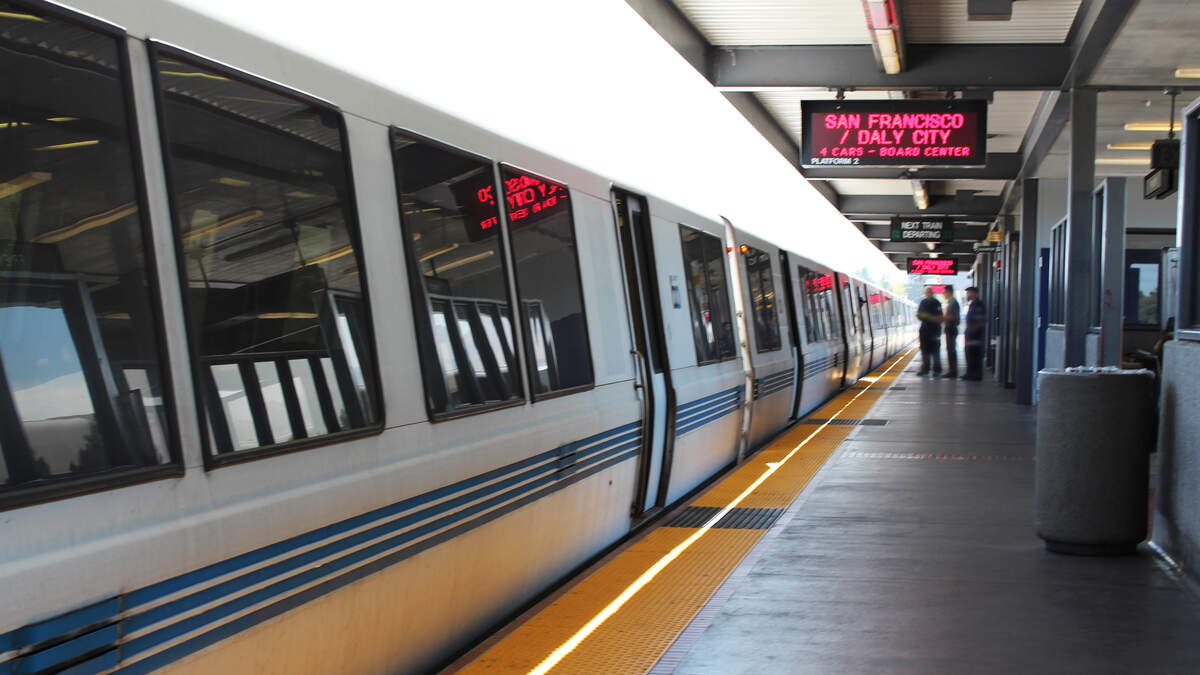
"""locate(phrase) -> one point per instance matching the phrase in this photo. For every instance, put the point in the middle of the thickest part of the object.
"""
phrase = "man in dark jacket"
(973, 335)
(950, 327)
(930, 314)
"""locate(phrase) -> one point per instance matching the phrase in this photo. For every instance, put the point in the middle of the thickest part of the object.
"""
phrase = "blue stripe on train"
(695, 414)
(529, 479)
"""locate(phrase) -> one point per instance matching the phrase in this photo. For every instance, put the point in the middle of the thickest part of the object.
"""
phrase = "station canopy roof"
(1022, 56)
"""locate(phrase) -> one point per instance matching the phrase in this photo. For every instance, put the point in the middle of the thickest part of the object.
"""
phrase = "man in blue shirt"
(930, 333)
(973, 335)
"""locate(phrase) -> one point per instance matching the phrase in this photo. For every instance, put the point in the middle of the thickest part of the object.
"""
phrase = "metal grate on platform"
(739, 518)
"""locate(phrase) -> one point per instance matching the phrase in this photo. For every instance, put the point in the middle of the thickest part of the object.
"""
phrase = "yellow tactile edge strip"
(626, 613)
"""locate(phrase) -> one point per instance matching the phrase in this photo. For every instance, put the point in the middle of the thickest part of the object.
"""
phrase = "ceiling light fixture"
(223, 224)
(1151, 126)
(1182, 72)
(464, 261)
(23, 182)
(920, 194)
(332, 255)
(433, 254)
(1145, 161)
(1131, 145)
(68, 146)
(83, 225)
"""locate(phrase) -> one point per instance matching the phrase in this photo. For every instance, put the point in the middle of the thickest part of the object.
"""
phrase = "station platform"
(890, 531)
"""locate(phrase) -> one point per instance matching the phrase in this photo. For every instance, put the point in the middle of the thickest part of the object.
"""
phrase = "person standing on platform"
(930, 314)
(973, 335)
(950, 321)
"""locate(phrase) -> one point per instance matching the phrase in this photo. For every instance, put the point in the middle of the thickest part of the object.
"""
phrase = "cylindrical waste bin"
(1095, 430)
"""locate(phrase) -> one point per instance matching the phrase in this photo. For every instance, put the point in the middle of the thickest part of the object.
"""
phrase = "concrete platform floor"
(913, 551)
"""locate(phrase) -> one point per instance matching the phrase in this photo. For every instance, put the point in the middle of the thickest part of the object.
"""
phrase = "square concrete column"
(1081, 182)
(1026, 307)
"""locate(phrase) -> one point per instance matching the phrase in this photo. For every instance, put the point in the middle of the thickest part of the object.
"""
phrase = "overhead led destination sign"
(932, 266)
(922, 229)
(894, 133)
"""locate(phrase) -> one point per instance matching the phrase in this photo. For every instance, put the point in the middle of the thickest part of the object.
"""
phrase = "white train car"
(300, 374)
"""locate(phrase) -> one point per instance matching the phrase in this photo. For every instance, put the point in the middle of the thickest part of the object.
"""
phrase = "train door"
(849, 334)
(789, 293)
(864, 316)
(653, 378)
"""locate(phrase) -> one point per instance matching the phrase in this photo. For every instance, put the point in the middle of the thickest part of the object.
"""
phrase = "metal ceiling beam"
(962, 232)
(1096, 25)
(766, 124)
(1000, 166)
(963, 247)
(673, 26)
(928, 66)
(827, 191)
(974, 206)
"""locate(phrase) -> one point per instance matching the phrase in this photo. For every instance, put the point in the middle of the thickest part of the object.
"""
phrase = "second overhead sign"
(922, 229)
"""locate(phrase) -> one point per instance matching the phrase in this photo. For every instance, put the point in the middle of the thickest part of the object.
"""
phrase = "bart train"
(298, 373)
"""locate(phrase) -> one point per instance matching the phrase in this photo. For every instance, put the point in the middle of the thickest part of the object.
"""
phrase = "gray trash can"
(1095, 430)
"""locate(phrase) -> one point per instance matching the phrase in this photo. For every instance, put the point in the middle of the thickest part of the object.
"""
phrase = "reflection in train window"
(704, 265)
(452, 237)
(762, 299)
(265, 220)
(547, 266)
(81, 379)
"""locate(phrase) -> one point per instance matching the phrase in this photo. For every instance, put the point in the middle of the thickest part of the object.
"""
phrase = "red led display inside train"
(932, 266)
(818, 284)
(530, 198)
(875, 298)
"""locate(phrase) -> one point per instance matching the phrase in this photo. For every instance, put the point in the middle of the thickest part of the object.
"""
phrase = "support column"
(1081, 182)
(1003, 289)
(1027, 308)
(1112, 282)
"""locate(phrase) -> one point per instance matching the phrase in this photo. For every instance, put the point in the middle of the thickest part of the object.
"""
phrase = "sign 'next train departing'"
(894, 133)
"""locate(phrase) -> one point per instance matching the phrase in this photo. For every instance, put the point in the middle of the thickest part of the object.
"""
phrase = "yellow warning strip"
(623, 616)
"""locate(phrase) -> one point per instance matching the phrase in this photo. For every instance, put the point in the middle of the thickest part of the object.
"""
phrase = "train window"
(266, 228)
(850, 308)
(704, 265)
(820, 316)
(762, 298)
(82, 386)
(1142, 306)
(542, 235)
(457, 273)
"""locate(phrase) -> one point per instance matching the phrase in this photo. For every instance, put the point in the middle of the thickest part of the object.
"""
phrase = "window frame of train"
(511, 249)
(766, 283)
(696, 313)
(816, 332)
(434, 378)
(361, 396)
(98, 369)
(1187, 310)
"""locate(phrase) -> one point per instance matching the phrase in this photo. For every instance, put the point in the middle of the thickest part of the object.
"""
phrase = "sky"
(585, 80)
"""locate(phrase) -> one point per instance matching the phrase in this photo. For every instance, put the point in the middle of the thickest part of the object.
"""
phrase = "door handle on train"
(643, 368)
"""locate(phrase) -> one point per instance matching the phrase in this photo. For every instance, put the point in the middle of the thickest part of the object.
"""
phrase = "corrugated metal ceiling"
(835, 22)
(946, 21)
(778, 22)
